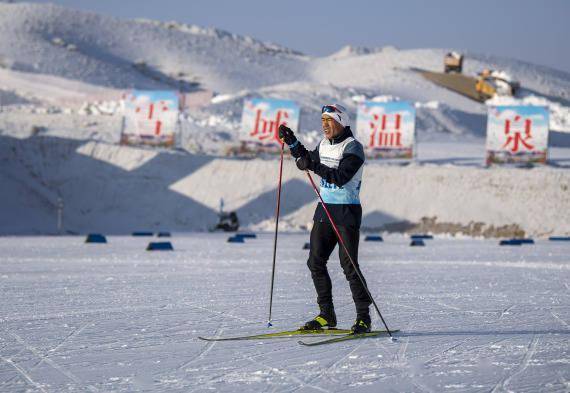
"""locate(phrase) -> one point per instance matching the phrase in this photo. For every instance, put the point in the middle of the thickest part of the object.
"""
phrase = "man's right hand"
(305, 163)
(287, 135)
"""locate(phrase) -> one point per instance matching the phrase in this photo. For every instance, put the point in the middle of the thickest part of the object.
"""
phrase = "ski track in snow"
(401, 362)
(285, 375)
(505, 311)
(222, 313)
(503, 383)
(563, 322)
(442, 353)
(24, 374)
(220, 376)
(331, 367)
(45, 358)
(114, 319)
(203, 352)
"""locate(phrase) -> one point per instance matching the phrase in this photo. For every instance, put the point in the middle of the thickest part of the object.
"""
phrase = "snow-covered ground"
(474, 317)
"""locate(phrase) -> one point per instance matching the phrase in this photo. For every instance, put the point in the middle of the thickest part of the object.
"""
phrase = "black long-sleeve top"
(350, 163)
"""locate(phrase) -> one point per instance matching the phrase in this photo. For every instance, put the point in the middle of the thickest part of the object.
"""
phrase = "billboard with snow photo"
(387, 129)
(517, 135)
(261, 120)
(150, 118)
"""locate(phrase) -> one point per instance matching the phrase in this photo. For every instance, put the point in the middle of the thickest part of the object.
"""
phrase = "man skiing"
(338, 159)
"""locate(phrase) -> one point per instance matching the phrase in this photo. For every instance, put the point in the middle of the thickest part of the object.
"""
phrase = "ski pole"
(341, 241)
(277, 210)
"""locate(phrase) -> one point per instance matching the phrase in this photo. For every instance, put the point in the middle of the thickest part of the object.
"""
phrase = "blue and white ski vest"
(330, 155)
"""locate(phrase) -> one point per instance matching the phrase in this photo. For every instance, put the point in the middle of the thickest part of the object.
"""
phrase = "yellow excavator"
(487, 84)
(491, 83)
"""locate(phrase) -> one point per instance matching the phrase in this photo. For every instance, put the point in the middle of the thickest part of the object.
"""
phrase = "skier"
(338, 160)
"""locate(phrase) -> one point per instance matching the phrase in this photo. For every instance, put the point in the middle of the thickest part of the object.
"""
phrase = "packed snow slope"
(63, 71)
(119, 54)
(473, 316)
(101, 50)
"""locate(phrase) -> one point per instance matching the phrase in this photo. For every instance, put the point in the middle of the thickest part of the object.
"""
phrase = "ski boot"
(325, 320)
(363, 324)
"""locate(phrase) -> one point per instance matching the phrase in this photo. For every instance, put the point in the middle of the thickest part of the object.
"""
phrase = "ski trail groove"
(44, 357)
(23, 373)
(69, 336)
(165, 332)
(563, 381)
(442, 353)
(55, 315)
(506, 310)
(420, 386)
(531, 349)
(203, 352)
(218, 377)
(221, 313)
(288, 376)
(559, 319)
(401, 354)
(52, 364)
(400, 361)
(410, 307)
(331, 367)
(448, 306)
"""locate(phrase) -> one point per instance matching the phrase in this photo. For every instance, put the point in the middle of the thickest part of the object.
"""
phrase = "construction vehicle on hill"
(493, 82)
(485, 85)
(453, 62)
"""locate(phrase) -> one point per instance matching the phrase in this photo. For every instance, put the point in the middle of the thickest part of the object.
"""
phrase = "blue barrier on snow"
(417, 242)
(95, 238)
(516, 242)
(559, 238)
(142, 233)
(159, 246)
(163, 234)
(236, 239)
(422, 237)
(247, 235)
(373, 238)
(511, 242)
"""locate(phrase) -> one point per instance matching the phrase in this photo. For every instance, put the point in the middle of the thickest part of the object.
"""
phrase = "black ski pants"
(323, 242)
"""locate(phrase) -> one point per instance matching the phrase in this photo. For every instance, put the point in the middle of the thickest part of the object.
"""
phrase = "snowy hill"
(121, 54)
(109, 52)
(63, 71)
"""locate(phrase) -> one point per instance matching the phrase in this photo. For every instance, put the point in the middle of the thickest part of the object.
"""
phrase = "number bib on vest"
(349, 194)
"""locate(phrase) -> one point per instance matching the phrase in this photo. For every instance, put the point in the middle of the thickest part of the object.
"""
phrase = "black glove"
(305, 163)
(287, 135)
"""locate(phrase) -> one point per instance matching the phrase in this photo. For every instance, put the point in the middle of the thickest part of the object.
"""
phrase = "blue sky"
(533, 31)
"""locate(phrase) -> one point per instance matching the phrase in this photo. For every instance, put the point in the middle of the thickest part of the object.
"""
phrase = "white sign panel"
(387, 129)
(261, 120)
(517, 134)
(150, 118)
